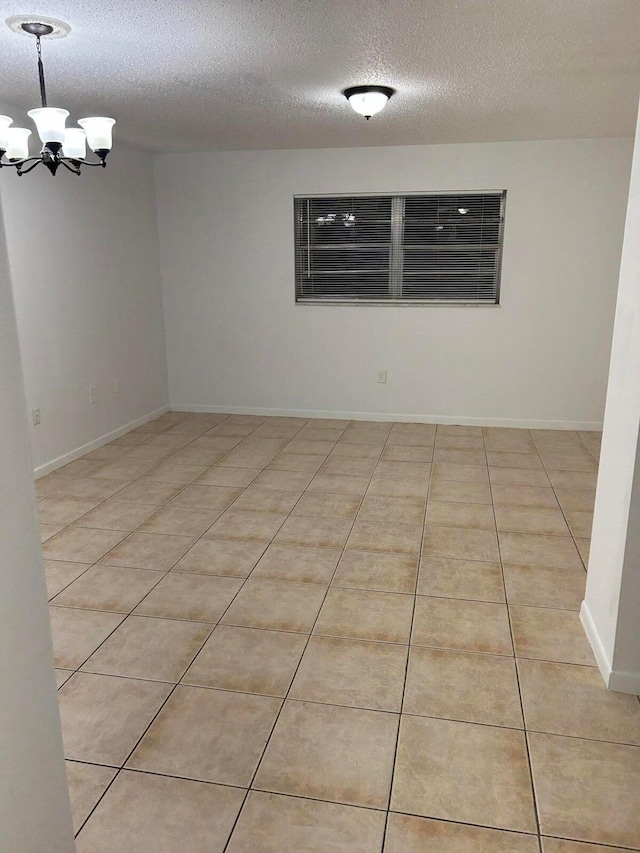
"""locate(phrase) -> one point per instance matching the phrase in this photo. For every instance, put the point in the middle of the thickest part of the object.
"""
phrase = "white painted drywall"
(83, 254)
(237, 341)
(34, 802)
(611, 608)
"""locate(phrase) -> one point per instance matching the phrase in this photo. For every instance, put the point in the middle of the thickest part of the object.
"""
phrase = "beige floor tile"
(587, 790)
(261, 499)
(285, 480)
(206, 497)
(79, 545)
(49, 530)
(460, 442)
(501, 459)
(88, 488)
(146, 491)
(366, 615)
(460, 473)
(351, 672)
(60, 510)
(103, 717)
(530, 549)
(313, 448)
(377, 570)
(196, 456)
(87, 783)
(553, 635)
(583, 546)
(368, 535)
(518, 477)
(580, 523)
(412, 435)
(574, 461)
(582, 500)
(251, 526)
(463, 686)
(406, 488)
(133, 816)
(180, 521)
(210, 735)
(463, 772)
(470, 579)
(272, 823)
(339, 484)
(252, 453)
(444, 514)
(330, 753)
(78, 633)
(230, 557)
(460, 543)
(556, 845)
(402, 470)
(393, 510)
(573, 479)
(399, 453)
(314, 531)
(148, 551)
(60, 574)
(175, 474)
(303, 463)
(525, 519)
(523, 496)
(126, 469)
(354, 466)
(157, 649)
(508, 440)
(460, 492)
(536, 586)
(237, 478)
(409, 834)
(109, 588)
(62, 676)
(474, 626)
(202, 598)
(327, 506)
(459, 429)
(297, 563)
(248, 660)
(459, 457)
(117, 515)
(564, 699)
(277, 605)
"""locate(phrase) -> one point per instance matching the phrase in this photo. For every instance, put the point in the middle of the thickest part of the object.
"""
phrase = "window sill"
(400, 303)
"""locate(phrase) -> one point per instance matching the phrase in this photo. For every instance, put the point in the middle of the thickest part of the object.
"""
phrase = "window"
(399, 248)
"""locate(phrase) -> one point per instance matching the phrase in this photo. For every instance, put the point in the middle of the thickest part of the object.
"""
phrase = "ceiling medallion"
(66, 146)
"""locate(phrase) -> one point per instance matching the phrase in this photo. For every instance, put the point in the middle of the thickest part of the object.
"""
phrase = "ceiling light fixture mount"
(66, 146)
(368, 100)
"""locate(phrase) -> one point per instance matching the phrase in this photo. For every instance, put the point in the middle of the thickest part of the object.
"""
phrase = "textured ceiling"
(233, 74)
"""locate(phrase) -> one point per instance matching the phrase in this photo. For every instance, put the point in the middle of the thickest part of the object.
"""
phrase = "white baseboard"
(620, 681)
(48, 467)
(390, 416)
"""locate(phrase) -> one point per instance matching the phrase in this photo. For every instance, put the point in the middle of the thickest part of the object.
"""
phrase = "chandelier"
(66, 146)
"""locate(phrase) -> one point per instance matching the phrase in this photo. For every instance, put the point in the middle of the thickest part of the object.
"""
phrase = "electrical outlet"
(382, 377)
(116, 386)
(36, 416)
(93, 396)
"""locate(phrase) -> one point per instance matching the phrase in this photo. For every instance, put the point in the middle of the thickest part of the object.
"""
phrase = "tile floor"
(275, 635)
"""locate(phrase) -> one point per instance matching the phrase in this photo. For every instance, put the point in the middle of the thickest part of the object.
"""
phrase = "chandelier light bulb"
(367, 101)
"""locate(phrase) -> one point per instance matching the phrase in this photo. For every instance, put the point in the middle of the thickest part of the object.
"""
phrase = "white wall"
(237, 341)
(612, 600)
(83, 254)
(34, 802)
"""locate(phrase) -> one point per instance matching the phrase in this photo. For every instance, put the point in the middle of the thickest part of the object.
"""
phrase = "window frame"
(396, 252)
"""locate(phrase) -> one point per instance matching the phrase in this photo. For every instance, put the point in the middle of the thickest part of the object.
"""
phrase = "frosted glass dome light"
(49, 122)
(367, 101)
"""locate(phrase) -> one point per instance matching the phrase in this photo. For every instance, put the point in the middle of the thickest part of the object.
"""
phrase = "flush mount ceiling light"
(368, 100)
(60, 144)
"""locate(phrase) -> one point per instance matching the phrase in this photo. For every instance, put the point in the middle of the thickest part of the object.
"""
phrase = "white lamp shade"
(75, 143)
(99, 130)
(368, 103)
(18, 143)
(5, 121)
(49, 122)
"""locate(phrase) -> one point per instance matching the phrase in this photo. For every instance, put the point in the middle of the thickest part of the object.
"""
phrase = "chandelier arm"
(65, 163)
(22, 171)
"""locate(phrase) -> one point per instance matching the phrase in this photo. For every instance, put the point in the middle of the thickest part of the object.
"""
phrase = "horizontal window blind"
(412, 248)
